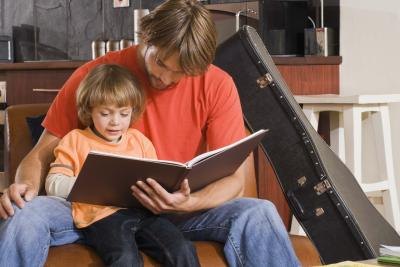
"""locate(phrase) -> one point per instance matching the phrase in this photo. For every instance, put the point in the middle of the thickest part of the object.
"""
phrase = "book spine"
(179, 181)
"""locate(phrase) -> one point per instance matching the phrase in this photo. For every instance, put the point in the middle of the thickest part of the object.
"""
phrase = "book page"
(390, 250)
(208, 154)
(168, 162)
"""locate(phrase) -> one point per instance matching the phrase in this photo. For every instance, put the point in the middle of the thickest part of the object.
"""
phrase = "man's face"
(162, 72)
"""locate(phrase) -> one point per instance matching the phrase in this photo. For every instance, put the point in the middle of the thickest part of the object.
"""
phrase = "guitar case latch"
(321, 187)
(264, 80)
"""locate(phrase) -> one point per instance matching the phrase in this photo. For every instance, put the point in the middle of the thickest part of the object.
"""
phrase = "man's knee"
(35, 216)
(30, 208)
(255, 211)
(254, 206)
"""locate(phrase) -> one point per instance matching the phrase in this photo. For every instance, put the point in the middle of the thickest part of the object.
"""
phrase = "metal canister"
(112, 45)
(98, 48)
(124, 43)
(138, 14)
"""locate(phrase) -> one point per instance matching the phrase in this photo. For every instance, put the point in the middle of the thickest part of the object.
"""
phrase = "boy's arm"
(63, 170)
(31, 171)
(59, 184)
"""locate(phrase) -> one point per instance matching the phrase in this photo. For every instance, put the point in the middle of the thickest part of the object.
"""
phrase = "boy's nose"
(114, 120)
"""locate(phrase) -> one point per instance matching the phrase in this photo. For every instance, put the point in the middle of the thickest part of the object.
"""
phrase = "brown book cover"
(105, 179)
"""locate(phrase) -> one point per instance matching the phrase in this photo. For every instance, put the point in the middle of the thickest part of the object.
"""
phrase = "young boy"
(108, 101)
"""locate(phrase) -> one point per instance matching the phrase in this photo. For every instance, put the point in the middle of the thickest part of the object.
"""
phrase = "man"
(191, 105)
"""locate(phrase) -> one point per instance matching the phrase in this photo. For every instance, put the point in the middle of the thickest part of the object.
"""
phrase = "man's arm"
(220, 191)
(29, 175)
(155, 198)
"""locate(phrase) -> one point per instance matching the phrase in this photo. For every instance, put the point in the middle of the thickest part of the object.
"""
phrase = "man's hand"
(18, 193)
(155, 198)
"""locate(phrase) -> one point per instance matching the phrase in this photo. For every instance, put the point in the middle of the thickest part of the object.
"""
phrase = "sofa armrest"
(17, 137)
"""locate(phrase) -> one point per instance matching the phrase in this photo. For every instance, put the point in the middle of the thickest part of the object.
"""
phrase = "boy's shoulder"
(76, 134)
(134, 133)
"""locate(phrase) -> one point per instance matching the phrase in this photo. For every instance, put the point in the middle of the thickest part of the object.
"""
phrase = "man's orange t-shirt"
(198, 113)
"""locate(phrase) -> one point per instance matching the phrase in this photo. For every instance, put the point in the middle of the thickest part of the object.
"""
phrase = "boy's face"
(111, 121)
(162, 72)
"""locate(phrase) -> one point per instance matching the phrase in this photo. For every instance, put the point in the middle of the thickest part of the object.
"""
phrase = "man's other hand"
(17, 193)
(158, 200)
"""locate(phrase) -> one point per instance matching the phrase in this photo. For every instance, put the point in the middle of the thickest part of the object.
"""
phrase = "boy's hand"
(155, 198)
(18, 193)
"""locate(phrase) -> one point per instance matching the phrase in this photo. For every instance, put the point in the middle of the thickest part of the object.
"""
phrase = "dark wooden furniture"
(35, 82)
(38, 82)
(311, 74)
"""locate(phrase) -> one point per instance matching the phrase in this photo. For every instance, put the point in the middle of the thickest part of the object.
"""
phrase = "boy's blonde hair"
(183, 26)
(109, 84)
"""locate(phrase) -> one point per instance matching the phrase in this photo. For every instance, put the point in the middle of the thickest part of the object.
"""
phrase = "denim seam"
(43, 250)
(165, 250)
(137, 253)
(43, 261)
(237, 250)
(203, 228)
(229, 239)
(69, 229)
(280, 240)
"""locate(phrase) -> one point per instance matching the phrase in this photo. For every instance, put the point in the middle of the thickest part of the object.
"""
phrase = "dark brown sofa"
(17, 144)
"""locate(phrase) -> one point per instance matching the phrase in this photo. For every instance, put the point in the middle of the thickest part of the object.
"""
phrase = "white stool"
(346, 139)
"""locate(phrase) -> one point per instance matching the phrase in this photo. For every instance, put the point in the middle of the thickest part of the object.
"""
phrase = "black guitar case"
(321, 191)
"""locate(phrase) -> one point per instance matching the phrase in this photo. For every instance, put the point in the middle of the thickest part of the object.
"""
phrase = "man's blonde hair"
(109, 84)
(183, 26)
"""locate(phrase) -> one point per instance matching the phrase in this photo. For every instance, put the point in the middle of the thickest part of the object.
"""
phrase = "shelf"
(42, 65)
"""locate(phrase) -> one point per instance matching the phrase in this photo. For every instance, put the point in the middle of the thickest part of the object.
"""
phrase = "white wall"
(370, 47)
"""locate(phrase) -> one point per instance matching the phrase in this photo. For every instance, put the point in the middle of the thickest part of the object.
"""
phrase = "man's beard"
(155, 82)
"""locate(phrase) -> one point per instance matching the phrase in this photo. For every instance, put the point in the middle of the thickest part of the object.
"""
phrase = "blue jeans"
(118, 237)
(251, 230)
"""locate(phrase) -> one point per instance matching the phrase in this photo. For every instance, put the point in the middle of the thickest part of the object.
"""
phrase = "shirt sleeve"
(58, 184)
(66, 158)
(64, 169)
(149, 150)
(225, 122)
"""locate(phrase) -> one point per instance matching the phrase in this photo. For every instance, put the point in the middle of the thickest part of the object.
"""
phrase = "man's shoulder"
(122, 57)
(217, 80)
(217, 72)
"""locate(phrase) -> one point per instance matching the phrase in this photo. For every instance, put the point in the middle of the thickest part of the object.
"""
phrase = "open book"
(389, 254)
(385, 250)
(105, 179)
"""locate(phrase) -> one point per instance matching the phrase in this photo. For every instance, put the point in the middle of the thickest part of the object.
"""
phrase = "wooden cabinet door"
(34, 86)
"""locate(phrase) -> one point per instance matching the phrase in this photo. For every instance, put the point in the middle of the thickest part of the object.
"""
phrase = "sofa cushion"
(35, 126)
(210, 254)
